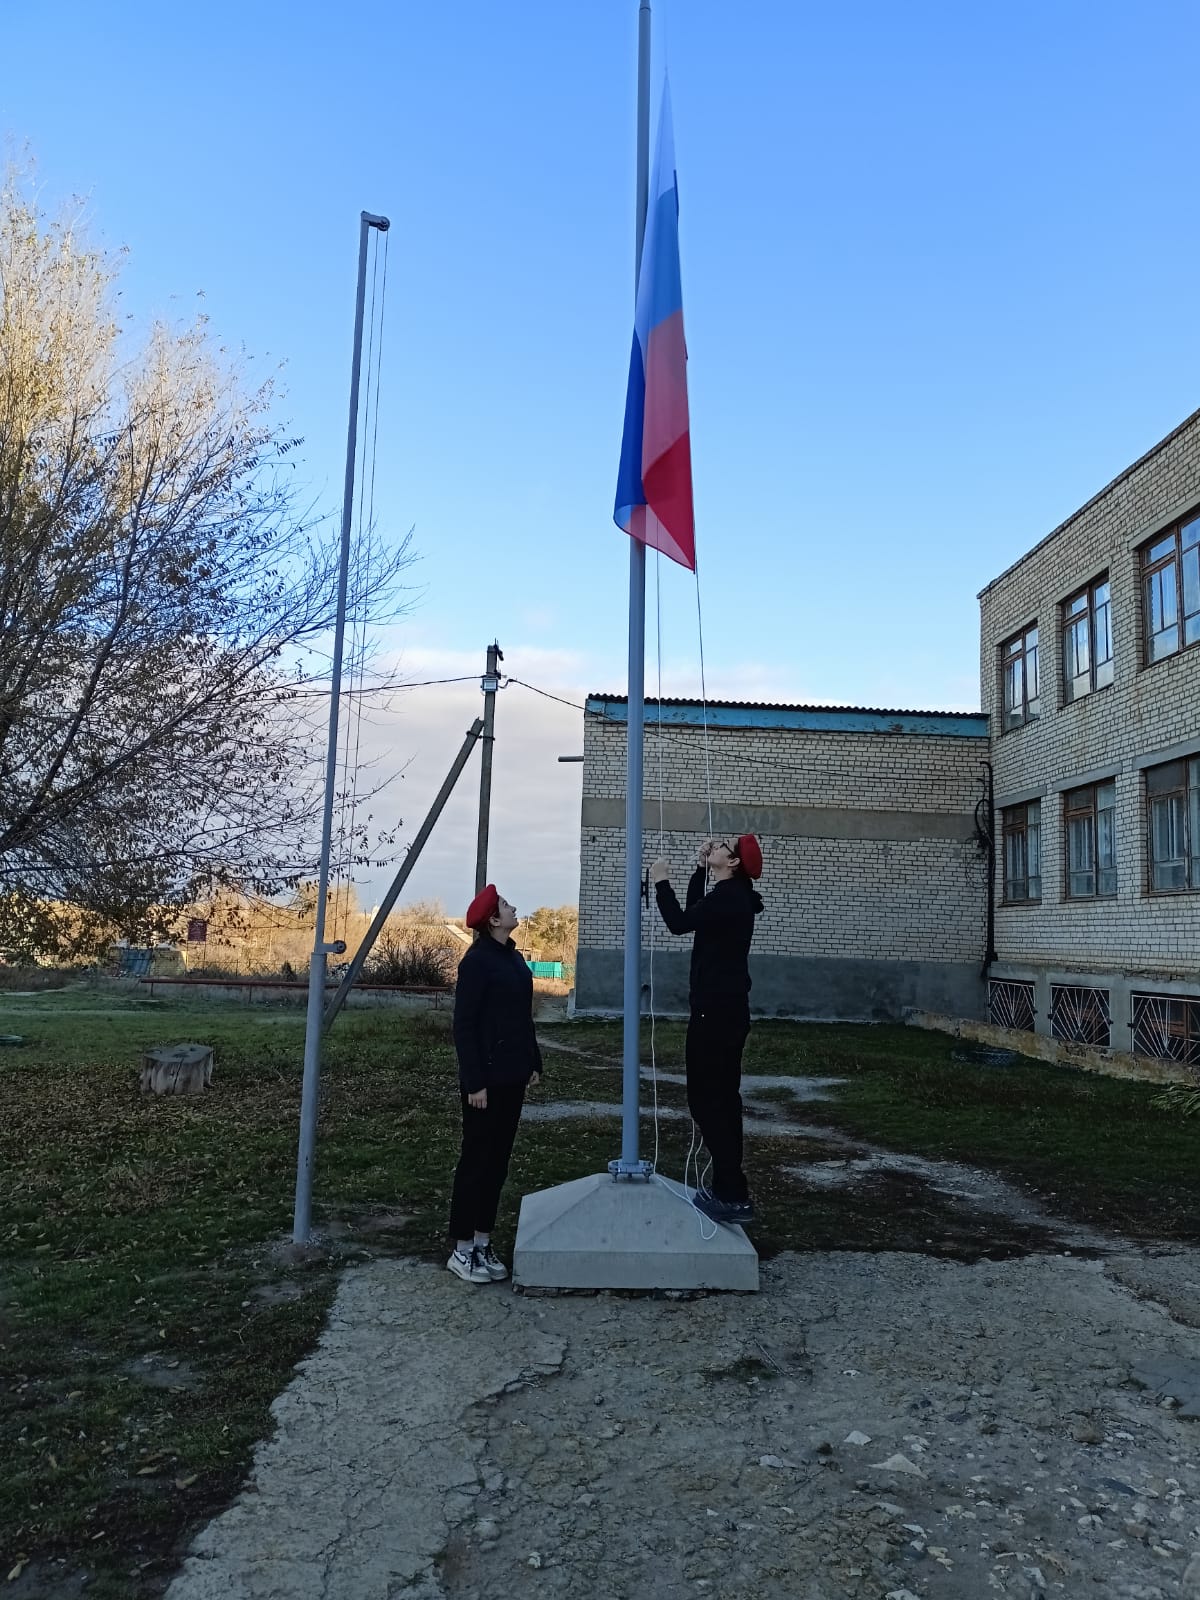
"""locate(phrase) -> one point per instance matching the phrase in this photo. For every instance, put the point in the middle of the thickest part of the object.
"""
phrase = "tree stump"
(177, 1069)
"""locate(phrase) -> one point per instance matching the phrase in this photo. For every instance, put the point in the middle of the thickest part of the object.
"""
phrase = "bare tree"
(163, 604)
(552, 932)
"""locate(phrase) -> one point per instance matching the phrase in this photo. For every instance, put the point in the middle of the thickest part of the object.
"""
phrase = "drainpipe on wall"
(985, 834)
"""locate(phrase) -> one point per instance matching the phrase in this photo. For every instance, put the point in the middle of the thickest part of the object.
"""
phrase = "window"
(1019, 674)
(1080, 1015)
(1166, 1028)
(1091, 841)
(1173, 814)
(1010, 1004)
(1023, 852)
(1087, 640)
(1171, 590)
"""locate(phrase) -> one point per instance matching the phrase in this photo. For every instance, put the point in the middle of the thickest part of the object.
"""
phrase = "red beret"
(750, 855)
(484, 906)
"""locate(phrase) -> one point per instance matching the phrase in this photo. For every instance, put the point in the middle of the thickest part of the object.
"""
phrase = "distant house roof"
(817, 719)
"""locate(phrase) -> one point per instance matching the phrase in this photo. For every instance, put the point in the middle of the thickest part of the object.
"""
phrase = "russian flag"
(654, 484)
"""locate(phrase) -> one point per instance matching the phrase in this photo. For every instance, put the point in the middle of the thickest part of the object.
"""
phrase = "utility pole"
(489, 683)
(384, 909)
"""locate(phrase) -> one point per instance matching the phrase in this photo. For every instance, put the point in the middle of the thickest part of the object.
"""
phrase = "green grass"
(145, 1239)
(133, 1227)
(1097, 1147)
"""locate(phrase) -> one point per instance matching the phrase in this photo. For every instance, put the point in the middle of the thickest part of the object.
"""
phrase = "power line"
(380, 688)
(545, 693)
(426, 683)
(683, 735)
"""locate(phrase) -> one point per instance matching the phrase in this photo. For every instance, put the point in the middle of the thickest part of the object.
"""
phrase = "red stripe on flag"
(648, 530)
(666, 413)
(668, 485)
(666, 447)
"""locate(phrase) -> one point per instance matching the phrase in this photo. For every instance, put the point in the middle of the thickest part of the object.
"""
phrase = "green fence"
(550, 969)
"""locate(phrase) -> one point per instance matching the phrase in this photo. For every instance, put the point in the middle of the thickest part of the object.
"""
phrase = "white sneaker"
(469, 1267)
(492, 1264)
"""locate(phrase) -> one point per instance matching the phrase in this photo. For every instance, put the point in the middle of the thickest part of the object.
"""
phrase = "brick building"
(1092, 691)
(875, 885)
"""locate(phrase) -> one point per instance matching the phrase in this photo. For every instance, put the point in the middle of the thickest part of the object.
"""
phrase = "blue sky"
(939, 270)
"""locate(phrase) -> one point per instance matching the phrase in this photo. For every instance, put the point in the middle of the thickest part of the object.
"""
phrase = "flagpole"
(311, 1089)
(629, 1166)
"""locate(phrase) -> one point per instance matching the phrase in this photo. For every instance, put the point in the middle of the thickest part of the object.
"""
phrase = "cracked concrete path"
(369, 1465)
(866, 1426)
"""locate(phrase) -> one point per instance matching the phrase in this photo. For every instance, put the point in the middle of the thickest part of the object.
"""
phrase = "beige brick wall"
(768, 766)
(891, 899)
(1145, 710)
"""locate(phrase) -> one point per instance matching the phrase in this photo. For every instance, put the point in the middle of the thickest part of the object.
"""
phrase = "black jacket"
(493, 1017)
(723, 923)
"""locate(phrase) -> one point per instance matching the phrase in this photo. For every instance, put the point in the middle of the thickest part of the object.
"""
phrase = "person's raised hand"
(659, 870)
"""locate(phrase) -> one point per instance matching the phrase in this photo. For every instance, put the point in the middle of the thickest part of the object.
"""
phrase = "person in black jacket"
(498, 1057)
(722, 922)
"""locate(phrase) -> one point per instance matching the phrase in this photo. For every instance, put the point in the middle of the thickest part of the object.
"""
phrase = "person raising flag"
(722, 924)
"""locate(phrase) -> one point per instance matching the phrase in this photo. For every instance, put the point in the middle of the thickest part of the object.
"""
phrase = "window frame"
(1185, 1028)
(1088, 617)
(1080, 803)
(1189, 811)
(1150, 570)
(1030, 704)
(1009, 829)
(1081, 1014)
(1010, 1004)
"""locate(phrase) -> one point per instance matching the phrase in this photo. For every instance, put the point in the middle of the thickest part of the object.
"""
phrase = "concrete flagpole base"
(605, 1233)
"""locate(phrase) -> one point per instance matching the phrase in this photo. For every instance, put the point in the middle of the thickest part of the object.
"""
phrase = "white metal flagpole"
(629, 1165)
(310, 1095)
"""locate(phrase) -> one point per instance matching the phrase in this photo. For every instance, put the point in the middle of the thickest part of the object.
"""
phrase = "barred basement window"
(1080, 1015)
(1087, 640)
(1090, 817)
(1166, 1028)
(1173, 816)
(1022, 852)
(1010, 1004)
(1019, 678)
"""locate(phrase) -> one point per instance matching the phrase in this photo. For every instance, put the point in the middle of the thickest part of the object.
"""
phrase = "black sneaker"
(731, 1212)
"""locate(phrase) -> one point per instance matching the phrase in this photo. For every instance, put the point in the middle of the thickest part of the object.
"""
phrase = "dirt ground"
(867, 1426)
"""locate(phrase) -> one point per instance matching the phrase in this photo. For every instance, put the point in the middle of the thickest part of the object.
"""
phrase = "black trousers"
(715, 1041)
(487, 1141)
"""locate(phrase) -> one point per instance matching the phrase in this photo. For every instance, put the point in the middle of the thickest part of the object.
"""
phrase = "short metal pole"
(310, 1095)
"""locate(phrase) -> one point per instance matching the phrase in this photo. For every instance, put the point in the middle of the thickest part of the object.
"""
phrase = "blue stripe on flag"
(629, 474)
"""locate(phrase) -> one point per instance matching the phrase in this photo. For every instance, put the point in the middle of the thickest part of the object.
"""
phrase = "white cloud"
(534, 841)
(534, 845)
